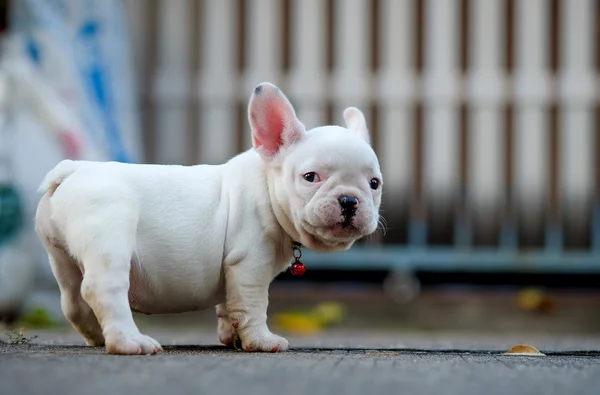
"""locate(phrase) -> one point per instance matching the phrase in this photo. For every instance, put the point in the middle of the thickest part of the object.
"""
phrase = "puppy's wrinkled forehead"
(335, 146)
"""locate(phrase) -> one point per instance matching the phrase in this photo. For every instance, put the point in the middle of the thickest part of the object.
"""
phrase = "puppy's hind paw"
(135, 344)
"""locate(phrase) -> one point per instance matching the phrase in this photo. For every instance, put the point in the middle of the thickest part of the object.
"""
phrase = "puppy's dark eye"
(374, 183)
(311, 177)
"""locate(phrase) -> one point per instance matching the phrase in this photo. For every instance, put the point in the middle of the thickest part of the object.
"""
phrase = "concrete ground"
(442, 343)
(334, 362)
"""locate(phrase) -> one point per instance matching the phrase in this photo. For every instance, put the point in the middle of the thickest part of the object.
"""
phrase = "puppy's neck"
(283, 217)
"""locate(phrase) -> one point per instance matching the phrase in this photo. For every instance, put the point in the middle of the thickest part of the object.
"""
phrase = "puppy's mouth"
(342, 231)
(347, 222)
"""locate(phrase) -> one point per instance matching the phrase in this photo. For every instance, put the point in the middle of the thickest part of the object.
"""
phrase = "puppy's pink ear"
(355, 121)
(273, 121)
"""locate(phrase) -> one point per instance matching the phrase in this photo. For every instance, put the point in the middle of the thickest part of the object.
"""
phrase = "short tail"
(57, 175)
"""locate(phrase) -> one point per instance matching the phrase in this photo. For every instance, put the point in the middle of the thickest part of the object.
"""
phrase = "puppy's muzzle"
(349, 205)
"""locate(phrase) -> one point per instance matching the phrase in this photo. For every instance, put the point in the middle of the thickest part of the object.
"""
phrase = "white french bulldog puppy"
(166, 239)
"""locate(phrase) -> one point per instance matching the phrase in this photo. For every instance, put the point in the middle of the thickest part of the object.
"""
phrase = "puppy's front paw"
(264, 341)
(132, 344)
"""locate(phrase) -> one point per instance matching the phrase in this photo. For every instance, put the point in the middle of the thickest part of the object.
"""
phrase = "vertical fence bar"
(137, 16)
(576, 93)
(441, 93)
(218, 82)
(171, 82)
(532, 95)
(137, 19)
(263, 45)
(395, 94)
(486, 85)
(308, 76)
(351, 82)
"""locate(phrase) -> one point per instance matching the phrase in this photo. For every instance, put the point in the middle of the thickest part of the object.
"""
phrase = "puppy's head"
(325, 183)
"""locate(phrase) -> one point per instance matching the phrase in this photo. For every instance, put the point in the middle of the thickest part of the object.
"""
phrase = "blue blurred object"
(11, 213)
(82, 49)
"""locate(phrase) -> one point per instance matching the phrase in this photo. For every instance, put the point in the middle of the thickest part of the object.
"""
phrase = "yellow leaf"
(298, 323)
(329, 313)
(530, 299)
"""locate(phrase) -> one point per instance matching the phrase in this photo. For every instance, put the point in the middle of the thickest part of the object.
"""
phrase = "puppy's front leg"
(247, 298)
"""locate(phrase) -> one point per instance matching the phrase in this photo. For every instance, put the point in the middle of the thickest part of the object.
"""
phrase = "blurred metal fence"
(485, 113)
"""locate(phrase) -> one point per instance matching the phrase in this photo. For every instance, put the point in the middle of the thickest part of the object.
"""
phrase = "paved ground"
(332, 363)
(419, 348)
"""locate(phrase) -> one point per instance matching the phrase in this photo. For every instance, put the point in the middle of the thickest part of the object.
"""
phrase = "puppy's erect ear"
(355, 121)
(273, 121)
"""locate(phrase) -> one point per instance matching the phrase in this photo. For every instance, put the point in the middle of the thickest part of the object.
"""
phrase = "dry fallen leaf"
(524, 349)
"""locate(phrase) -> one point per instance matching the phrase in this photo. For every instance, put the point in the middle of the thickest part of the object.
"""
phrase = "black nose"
(348, 203)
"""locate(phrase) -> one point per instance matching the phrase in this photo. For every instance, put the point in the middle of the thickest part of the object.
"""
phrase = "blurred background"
(485, 115)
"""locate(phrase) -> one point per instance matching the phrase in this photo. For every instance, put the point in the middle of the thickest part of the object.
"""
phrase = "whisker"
(382, 224)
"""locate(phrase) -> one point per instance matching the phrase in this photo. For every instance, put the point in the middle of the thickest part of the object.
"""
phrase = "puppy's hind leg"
(75, 309)
(68, 275)
(105, 287)
(101, 232)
